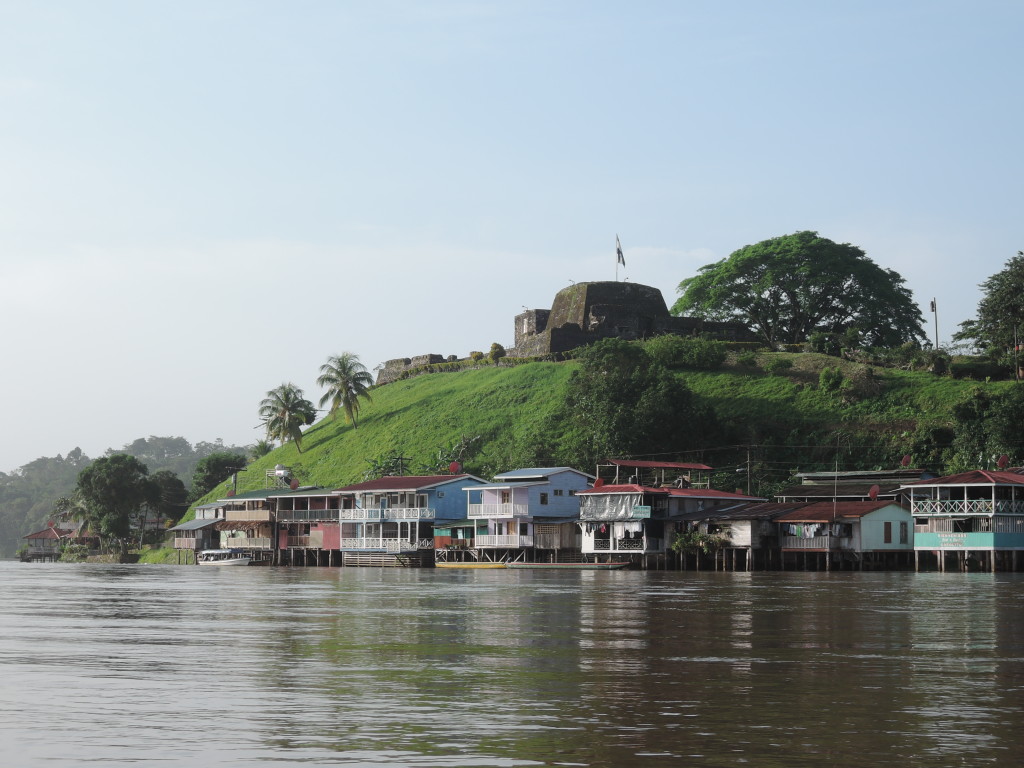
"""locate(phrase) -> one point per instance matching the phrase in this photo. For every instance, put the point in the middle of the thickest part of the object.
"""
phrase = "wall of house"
(449, 501)
(872, 530)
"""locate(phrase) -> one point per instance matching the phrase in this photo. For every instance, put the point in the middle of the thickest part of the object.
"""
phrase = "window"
(572, 491)
(904, 533)
(506, 497)
(524, 529)
(440, 495)
(559, 492)
(887, 534)
(543, 498)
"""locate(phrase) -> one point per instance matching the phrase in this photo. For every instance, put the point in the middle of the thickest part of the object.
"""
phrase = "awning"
(239, 525)
(193, 525)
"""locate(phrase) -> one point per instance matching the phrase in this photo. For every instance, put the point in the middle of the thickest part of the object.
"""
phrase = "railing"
(389, 545)
(306, 515)
(512, 542)
(926, 507)
(191, 543)
(627, 545)
(816, 542)
(298, 541)
(388, 513)
(246, 542)
(250, 515)
(499, 510)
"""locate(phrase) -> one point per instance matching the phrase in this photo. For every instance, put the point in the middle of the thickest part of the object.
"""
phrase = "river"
(186, 666)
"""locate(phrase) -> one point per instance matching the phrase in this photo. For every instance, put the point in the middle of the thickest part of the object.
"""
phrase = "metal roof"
(193, 525)
(656, 464)
(405, 483)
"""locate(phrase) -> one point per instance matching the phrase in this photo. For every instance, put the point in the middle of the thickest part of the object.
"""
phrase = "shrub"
(497, 352)
(778, 366)
(678, 352)
(747, 358)
(824, 343)
(979, 369)
(830, 379)
(476, 355)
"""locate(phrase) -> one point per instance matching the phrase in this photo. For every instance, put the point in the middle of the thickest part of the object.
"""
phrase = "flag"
(618, 251)
(933, 305)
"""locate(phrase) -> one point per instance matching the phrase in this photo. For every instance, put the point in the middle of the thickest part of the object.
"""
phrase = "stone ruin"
(584, 313)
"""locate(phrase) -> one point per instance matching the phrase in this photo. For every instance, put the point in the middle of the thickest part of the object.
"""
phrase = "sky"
(203, 199)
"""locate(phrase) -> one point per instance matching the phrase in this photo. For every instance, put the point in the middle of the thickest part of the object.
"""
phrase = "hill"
(773, 423)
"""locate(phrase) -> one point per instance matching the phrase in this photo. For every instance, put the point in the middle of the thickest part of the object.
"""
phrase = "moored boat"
(222, 557)
(568, 566)
(469, 565)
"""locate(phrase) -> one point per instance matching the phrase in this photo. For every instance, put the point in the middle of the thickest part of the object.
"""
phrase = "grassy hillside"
(791, 422)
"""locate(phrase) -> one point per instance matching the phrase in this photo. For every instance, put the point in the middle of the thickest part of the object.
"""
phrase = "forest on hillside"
(28, 494)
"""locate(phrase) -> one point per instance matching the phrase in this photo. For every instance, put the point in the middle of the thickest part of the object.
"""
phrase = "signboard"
(641, 511)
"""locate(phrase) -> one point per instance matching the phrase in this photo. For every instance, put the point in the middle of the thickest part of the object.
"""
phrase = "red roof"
(406, 483)
(656, 464)
(49, 533)
(826, 511)
(976, 477)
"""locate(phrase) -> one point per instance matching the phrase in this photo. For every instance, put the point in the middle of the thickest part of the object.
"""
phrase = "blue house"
(527, 513)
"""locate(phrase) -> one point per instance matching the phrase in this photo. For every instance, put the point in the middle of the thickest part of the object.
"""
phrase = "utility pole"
(935, 311)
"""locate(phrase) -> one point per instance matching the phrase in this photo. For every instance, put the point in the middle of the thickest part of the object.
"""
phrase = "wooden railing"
(926, 507)
(306, 515)
(246, 542)
(512, 542)
(191, 543)
(389, 545)
(816, 542)
(249, 515)
(628, 545)
(298, 541)
(498, 510)
(388, 513)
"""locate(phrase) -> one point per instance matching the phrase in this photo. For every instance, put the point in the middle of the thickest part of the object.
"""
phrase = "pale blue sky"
(201, 200)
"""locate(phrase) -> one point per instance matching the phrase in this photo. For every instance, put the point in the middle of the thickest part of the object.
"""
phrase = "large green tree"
(346, 381)
(285, 411)
(214, 469)
(621, 403)
(998, 326)
(789, 287)
(114, 490)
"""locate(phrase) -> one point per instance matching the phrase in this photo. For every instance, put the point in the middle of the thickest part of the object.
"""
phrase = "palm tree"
(346, 380)
(284, 411)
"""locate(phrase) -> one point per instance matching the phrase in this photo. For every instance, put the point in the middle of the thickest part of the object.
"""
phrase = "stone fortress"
(584, 313)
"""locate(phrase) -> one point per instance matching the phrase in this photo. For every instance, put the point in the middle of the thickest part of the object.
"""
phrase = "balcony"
(247, 515)
(477, 511)
(954, 507)
(246, 542)
(387, 513)
(388, 545)
(507, 542)
(307, 515)
(630, 546)
(815, 542)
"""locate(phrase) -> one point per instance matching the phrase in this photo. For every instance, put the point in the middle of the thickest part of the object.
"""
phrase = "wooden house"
(846, 534)
(748, 538)
(246, 523)
(639, 522)
(527, 514)
(975, 519)
(192, 537)
(390, 520)
(308, 526)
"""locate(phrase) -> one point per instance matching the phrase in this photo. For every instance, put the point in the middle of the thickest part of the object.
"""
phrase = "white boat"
(223, 557)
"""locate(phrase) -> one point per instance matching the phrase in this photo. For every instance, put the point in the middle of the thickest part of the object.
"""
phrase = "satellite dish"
(873, 492)
(598, 483)
(905, 461)
(49, 524)
(230, 494)
(454, 467)
(1003, 461)
(294, 484)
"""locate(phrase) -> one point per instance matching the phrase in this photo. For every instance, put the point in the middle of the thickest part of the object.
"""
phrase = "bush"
(747, 358)
(497, 352)
(678, 352)
(979, 369)
(778, 366)
(830, 379)
(476, 355)
(824, 344)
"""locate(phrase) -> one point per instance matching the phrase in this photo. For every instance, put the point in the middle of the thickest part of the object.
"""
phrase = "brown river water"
(197, 666)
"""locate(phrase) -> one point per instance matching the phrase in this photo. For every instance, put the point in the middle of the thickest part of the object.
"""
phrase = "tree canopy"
(285, 411)
(789, 287)
(213, 470)
(113, 490)
(1000, 311)
(620, 403)
(346, 380)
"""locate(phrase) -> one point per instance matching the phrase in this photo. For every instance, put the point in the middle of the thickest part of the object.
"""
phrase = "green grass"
(507, 406)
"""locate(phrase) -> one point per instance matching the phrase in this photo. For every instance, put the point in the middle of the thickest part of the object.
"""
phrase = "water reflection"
(404, 667)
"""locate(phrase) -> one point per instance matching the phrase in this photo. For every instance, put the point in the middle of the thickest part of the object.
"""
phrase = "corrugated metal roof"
(824, 511)
(541, 473)
(193, 525)
(974, 477)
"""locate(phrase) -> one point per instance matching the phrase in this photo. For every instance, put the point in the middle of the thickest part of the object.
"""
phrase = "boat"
(469, 565)
(569, 566)
(222, 557)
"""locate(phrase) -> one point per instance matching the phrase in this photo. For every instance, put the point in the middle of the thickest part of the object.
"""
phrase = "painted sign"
(641, 511)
